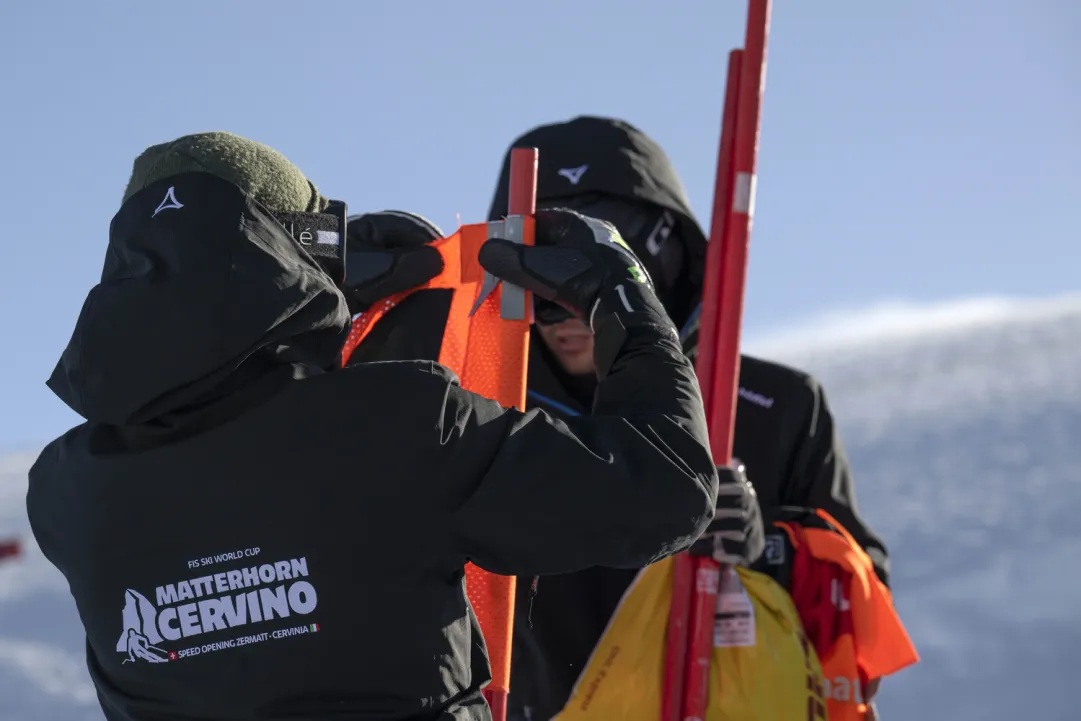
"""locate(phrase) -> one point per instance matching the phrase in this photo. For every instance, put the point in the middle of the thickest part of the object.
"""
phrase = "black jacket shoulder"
(815, 472)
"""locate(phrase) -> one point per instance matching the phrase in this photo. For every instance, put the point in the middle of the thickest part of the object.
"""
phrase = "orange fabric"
(847, 613)
(489, 355)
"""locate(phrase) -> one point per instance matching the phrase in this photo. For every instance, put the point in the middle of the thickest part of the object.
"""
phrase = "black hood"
(593, 155)
(198, 279)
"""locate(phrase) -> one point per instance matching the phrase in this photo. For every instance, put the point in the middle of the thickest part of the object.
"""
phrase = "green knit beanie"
(257, 169)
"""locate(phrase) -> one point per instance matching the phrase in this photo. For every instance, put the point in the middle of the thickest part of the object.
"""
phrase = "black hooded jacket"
(251, 532)
(785, 432)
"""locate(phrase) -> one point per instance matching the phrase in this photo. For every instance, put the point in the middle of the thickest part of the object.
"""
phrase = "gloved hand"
(737, 535)
(580, 263)
(386, 253)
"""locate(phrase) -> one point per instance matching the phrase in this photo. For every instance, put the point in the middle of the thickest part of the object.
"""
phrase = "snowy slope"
(42, 673)
(963, 423)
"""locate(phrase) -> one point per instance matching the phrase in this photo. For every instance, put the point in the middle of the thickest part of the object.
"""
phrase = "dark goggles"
(546, 312)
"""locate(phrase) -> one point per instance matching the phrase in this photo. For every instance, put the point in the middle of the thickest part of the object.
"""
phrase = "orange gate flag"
(489, 354)
(847, 613)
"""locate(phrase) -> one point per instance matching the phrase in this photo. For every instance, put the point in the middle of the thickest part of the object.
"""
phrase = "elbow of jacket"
(700, 506)
(683, 520)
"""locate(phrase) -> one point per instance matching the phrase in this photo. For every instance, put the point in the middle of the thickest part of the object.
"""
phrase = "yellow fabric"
(776, 678)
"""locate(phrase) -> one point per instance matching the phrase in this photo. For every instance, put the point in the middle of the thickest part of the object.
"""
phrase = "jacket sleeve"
(622, 488)
(820, 477)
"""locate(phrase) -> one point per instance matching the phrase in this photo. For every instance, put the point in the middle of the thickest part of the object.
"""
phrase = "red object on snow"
(10, 549)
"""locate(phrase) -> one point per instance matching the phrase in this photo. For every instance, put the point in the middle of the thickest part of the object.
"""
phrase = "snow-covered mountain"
(963, 423)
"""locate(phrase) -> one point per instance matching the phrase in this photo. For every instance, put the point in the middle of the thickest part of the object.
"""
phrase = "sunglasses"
(545, 312)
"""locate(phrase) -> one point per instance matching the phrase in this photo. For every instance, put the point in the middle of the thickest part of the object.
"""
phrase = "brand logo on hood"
(169, 202)
(155, 631)
(574, 174)
(660, 233)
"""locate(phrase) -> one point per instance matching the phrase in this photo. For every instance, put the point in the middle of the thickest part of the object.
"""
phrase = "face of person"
(571, 342)
(650, 230)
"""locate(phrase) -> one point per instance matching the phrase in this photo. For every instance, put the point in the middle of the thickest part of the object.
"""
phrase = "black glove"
(584, 265)
(388, 252)
(581, 263)
(737, 535)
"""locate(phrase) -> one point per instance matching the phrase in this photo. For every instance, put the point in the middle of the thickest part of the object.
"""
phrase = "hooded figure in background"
(785, 435)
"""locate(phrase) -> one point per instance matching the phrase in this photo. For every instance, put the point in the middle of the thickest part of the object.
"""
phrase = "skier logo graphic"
(169, 202)
(574, 174)
(140, 631)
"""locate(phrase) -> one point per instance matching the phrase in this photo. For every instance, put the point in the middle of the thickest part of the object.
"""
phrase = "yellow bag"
(763, 666)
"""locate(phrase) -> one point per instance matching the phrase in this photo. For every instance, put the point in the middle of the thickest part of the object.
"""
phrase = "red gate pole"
(521, 208)
(685, 589)
(695, 580)
(724, 385)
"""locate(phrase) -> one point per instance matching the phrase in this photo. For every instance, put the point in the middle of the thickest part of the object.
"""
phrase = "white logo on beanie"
(168, 202)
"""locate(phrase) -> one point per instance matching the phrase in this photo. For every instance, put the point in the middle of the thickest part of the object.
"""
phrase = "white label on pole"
(513, 303)
(733, 624)
(743, 193)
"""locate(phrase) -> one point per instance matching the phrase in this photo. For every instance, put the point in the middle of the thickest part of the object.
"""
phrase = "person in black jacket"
(785, 434)
(250, 531)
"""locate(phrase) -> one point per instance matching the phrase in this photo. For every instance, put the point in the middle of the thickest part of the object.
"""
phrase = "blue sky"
(920, 150)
